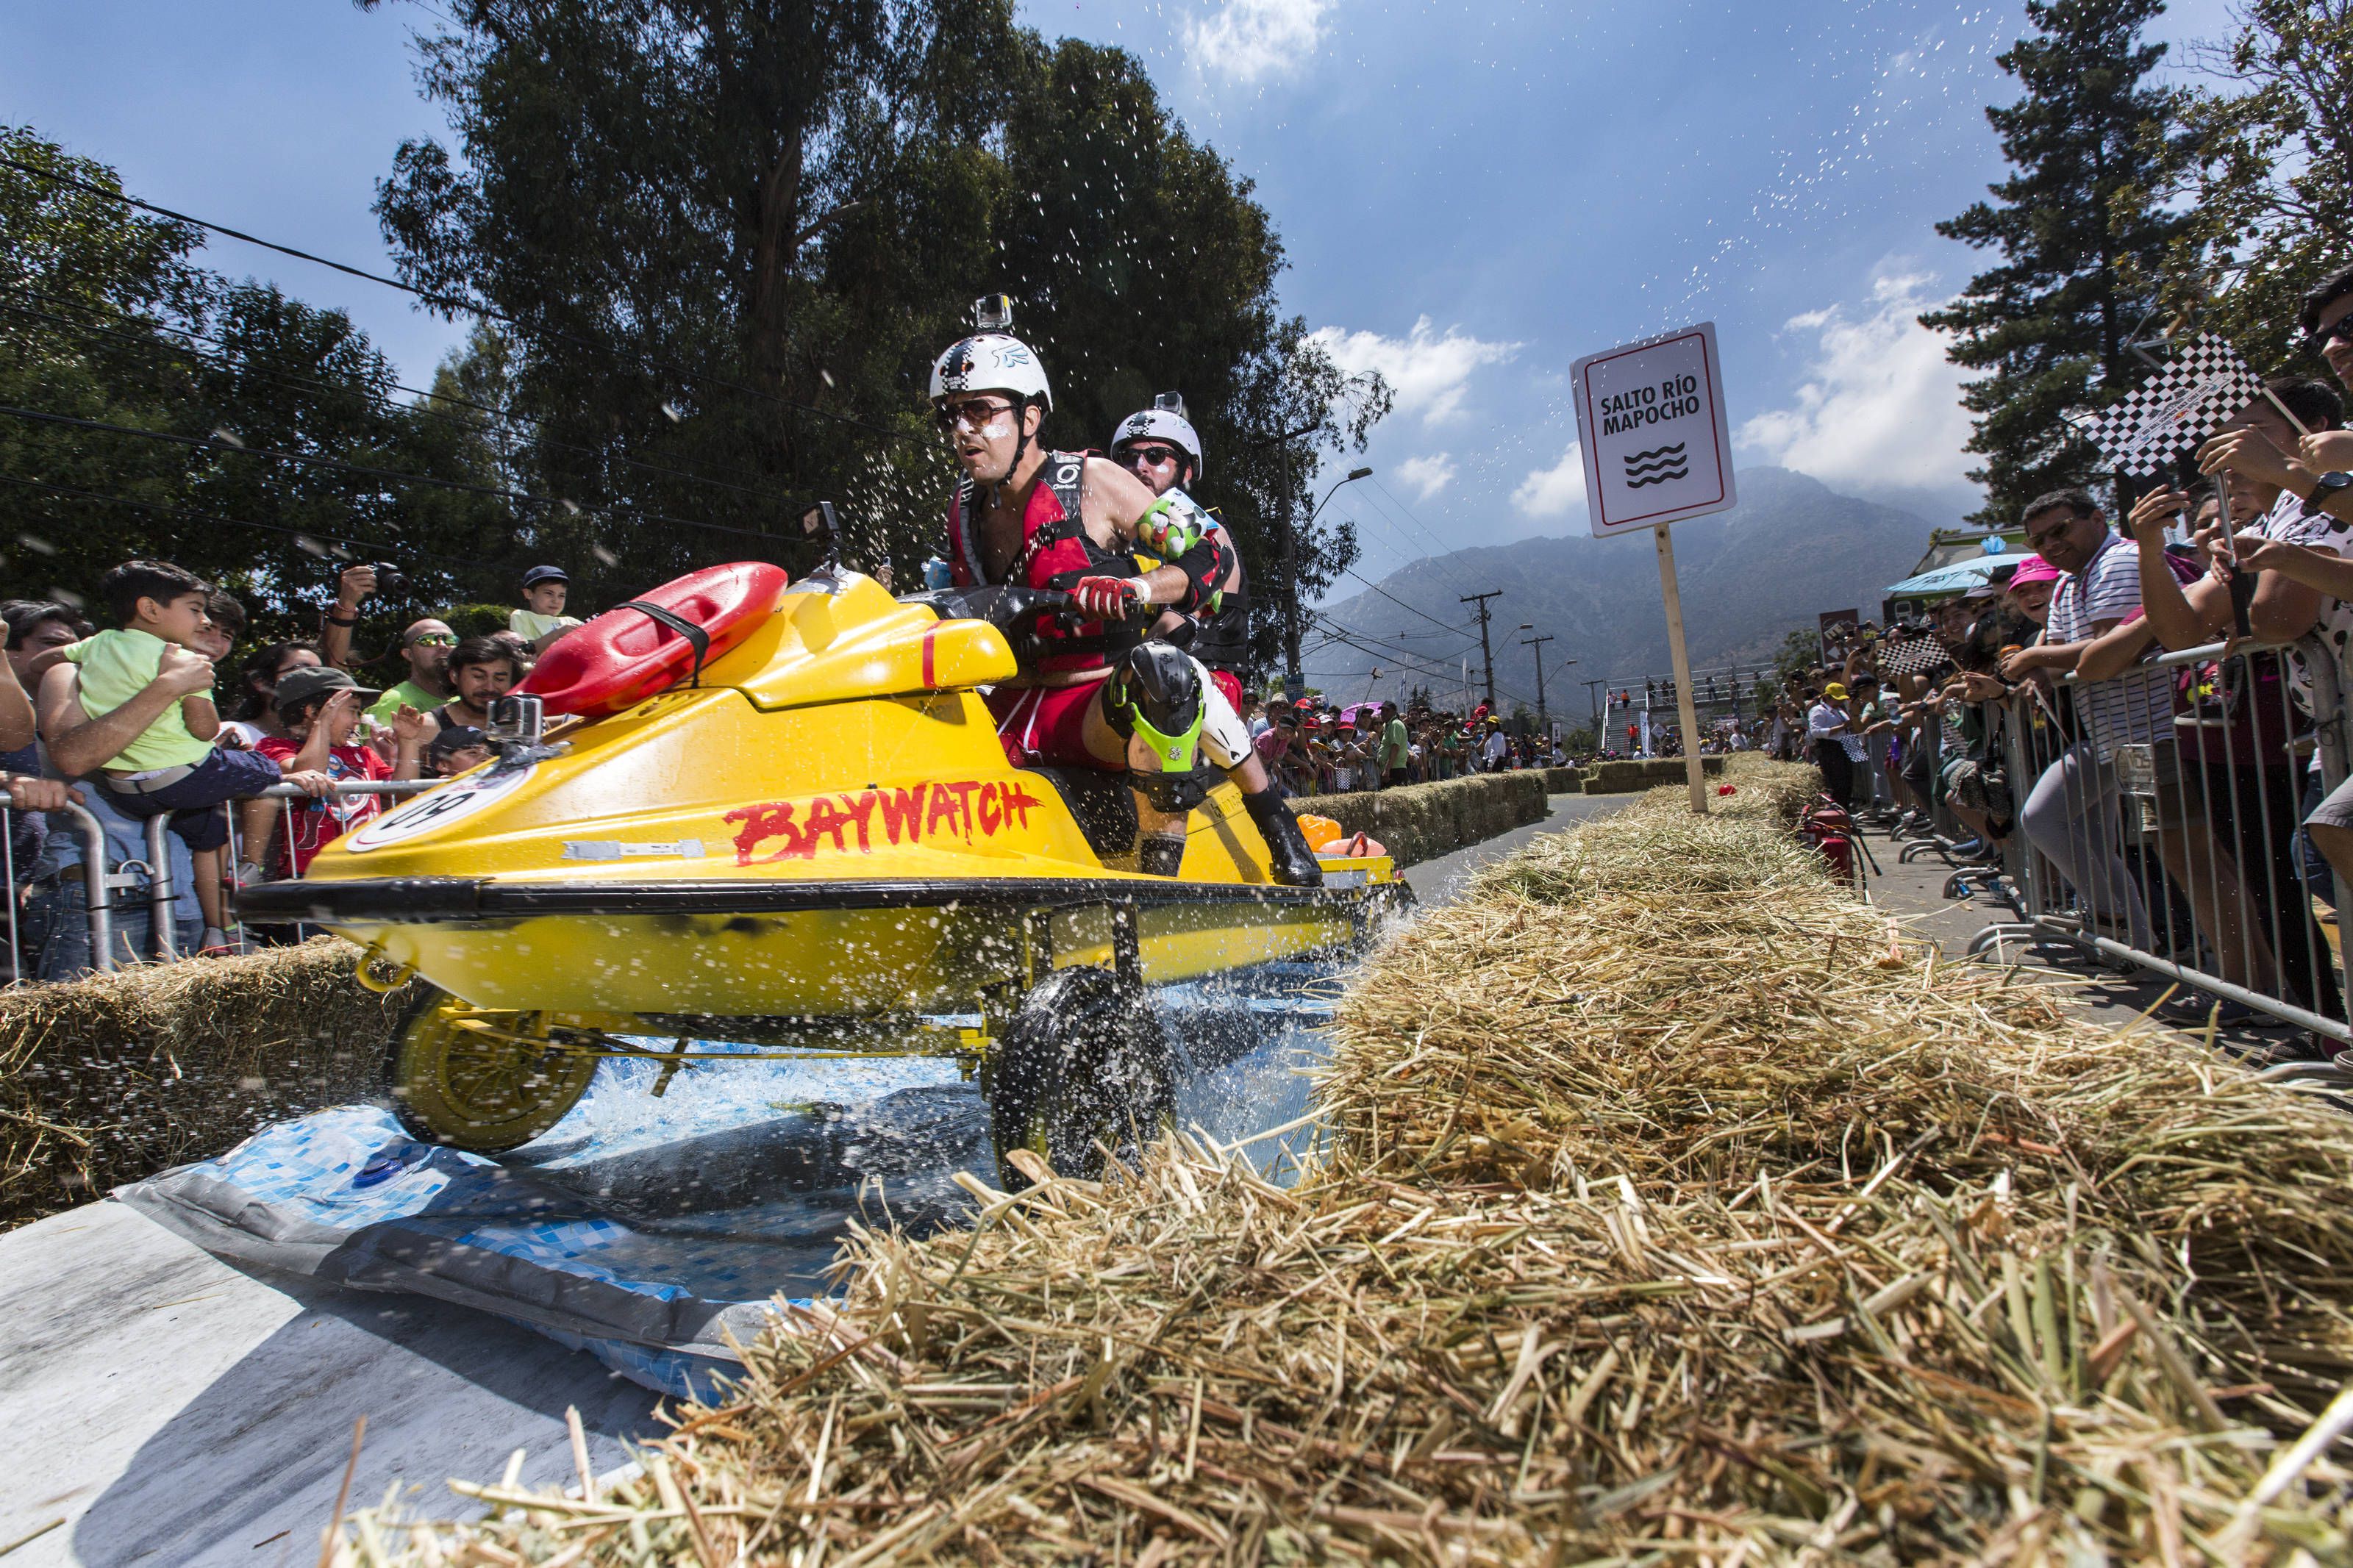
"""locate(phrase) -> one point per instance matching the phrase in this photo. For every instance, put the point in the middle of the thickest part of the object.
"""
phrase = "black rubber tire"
(1082, 1063)
(453, 1088)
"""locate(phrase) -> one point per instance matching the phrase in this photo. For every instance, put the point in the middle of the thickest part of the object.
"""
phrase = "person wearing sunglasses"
(1159, 446)
(425, 645)
(2326, 319)
(1097, 695)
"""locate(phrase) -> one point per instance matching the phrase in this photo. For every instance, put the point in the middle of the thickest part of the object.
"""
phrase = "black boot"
(1293, 863)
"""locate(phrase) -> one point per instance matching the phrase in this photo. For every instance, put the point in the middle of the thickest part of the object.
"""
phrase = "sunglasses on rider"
(1151, 457)
(974, 413)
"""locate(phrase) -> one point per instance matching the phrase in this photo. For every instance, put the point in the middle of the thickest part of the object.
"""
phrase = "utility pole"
(1537, 644)
(1486, 659)
(1588, 685)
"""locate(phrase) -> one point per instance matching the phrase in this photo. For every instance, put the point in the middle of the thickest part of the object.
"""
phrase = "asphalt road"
(171, 1409)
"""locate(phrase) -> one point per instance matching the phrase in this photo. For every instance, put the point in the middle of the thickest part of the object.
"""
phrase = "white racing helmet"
(1164, 421)
(992, 360)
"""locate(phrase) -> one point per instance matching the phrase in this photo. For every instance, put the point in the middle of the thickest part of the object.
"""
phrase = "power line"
(445, 301)
(189, 515)
(286, 379)
(212, 444)
(1440, 551)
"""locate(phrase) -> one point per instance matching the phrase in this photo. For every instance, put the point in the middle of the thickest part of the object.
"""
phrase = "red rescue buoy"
(650, 644)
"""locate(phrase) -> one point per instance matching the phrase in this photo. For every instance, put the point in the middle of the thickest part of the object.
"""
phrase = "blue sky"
(1472, 194)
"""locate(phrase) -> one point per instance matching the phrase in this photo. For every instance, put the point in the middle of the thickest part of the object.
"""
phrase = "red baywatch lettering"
(965, 811)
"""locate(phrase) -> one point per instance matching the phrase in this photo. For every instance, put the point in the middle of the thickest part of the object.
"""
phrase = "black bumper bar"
(418, 900)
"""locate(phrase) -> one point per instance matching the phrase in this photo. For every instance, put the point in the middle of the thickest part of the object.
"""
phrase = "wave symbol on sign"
(1656, 466)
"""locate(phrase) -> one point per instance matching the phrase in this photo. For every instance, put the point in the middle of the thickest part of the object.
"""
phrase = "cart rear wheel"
(481, 1090)
(1083, 1063)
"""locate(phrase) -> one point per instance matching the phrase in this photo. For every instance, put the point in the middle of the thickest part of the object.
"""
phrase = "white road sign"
(1651, 427)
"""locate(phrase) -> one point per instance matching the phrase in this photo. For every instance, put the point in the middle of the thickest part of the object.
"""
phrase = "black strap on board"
(681, 625)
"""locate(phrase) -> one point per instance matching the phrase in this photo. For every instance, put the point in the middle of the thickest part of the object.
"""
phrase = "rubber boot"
(1291, 862)
(1160, 854)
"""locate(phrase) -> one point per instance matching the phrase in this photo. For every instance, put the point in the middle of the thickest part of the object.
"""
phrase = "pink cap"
(2033, 569)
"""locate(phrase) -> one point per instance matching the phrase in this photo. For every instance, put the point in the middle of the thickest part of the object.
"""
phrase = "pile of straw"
(113, 1077)
(1676, 1209)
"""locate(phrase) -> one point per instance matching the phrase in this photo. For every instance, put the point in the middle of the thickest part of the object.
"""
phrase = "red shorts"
(1045, 723)
(1227, 681)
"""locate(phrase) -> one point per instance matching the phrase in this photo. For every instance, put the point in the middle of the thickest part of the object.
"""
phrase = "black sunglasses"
(1151, 456)
(975, 411)
(2319, 338)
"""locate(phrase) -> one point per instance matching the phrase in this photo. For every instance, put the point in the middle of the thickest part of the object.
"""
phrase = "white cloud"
(1428, 475)
(1429, 372)
(1551, 492)
(1247, 39)
(1881, 405)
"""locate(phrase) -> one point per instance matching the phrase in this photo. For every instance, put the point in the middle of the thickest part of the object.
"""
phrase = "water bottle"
(937, 574)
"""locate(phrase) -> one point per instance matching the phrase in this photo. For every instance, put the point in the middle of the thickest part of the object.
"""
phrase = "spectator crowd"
(107, 729)
(2138, 706)
(1311, 748)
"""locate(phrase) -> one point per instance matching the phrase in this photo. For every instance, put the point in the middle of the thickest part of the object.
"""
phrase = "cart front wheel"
(1082, 1067)
(481, 1081)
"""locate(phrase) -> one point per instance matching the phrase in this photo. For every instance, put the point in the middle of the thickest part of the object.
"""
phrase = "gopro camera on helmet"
(1171, 403)
(993, 312)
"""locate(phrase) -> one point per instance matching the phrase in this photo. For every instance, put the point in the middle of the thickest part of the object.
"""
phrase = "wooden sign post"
(1657, 448)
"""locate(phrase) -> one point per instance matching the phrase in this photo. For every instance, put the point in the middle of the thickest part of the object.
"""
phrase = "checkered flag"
(2176, 409)
(1923, 654)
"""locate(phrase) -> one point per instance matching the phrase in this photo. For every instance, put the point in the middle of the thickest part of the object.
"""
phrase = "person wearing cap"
(543, 620)
(1829, 728)
(1496, 751)
(321, 710)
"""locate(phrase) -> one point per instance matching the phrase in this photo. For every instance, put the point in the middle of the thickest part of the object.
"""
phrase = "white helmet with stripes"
(992, 360)
(1164, 421)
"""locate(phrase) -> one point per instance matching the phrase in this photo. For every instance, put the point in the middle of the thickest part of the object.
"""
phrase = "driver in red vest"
(1099, 695)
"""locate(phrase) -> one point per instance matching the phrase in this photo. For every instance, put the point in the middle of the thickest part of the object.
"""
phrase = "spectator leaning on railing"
(321, 710)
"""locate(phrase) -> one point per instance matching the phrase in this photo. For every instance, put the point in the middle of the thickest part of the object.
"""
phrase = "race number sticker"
(457, 799)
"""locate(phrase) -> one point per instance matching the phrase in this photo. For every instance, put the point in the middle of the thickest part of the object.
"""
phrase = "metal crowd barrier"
(2165, 839)
(109, 885)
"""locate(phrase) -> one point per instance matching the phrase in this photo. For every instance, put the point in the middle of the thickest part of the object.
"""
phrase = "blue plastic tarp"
(657, 1234)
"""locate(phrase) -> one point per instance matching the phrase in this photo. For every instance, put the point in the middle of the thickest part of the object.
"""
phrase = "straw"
(1662, 1218)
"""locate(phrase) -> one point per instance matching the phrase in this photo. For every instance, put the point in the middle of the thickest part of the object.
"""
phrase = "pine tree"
(2082, 238)
(2272, 157)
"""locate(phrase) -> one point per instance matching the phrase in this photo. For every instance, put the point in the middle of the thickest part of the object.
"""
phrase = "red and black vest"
(1056, 552)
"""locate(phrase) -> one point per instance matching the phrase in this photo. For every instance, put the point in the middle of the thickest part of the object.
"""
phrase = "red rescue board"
(625, 655)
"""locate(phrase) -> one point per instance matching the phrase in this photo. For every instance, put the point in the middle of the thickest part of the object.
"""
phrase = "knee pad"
(1156, 695)
(1225, 738)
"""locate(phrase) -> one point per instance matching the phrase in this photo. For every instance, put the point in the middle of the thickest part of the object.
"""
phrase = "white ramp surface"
(169, 1409)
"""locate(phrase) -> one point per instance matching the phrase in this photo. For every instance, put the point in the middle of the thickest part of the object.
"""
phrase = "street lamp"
(1295, 684)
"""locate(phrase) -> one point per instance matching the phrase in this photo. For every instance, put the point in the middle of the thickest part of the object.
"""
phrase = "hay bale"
(1421, 822)
(1626, 775)
(109, 1079)
(1564, 781)
(1677, 1211)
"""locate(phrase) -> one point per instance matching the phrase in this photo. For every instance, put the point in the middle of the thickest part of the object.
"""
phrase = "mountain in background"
(1791, 550)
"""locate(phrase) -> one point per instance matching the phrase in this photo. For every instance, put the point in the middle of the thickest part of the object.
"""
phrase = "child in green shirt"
(171, 765)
